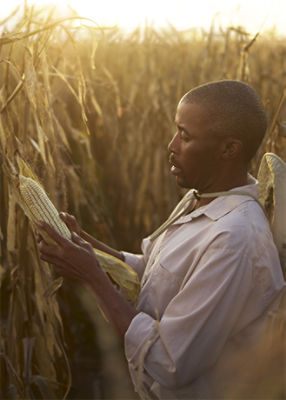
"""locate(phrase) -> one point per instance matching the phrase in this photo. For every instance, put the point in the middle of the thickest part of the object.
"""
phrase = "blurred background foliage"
(91, 109)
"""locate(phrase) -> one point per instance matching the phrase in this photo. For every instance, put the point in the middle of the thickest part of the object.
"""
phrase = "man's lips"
(175, 167)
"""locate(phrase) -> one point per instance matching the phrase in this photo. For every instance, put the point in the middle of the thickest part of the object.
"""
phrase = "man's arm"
(101, 246)
(136, 261)
(75, 259)
(73, 226)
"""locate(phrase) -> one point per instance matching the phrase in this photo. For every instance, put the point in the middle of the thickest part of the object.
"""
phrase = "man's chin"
(182, 183)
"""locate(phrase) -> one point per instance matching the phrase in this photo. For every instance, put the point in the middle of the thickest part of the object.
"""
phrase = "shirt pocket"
(164, 286)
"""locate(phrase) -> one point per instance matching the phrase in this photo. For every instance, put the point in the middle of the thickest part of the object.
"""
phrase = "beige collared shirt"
(205, 282)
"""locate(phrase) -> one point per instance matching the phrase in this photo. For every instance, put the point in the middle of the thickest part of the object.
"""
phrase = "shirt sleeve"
(196, 323)
(136, 262)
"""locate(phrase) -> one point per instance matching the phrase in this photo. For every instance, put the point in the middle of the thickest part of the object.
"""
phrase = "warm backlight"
(254, 15)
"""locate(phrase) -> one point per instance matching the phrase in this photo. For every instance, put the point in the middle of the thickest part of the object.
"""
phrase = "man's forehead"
(191, 110)
(194, 115)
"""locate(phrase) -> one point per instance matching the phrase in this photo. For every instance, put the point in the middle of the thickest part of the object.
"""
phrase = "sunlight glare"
(254, 15)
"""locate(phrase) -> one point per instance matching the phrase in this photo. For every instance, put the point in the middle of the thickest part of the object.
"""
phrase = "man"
(209, 276)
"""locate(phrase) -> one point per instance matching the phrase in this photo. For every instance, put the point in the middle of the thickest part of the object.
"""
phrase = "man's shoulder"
(248, 215)
(245, 223)
(245, 231)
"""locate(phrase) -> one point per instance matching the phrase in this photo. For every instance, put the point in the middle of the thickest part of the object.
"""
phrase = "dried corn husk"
(121, 273)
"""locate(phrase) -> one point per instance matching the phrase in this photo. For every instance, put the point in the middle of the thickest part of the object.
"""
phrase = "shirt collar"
(221, 206)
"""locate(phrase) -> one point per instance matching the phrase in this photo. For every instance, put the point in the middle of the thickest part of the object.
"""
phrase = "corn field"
(90, 110)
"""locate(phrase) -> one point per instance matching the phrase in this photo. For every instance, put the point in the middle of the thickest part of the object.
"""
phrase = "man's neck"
(227, 185)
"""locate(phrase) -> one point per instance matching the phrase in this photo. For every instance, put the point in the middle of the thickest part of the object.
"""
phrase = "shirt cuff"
(139, 332)
(136, 262)
(138, 338)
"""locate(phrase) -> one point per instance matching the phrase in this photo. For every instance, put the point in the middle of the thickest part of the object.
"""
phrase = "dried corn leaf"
(13, 94)
(53, 288)
(44, 386)
(28, 348)
(25, 169)
(30, 78)
(2, 272)
(61, 133)
(51, 161)
(36, 146)
(40, 279)
(3, 134)
(11, 223)
(42, 139)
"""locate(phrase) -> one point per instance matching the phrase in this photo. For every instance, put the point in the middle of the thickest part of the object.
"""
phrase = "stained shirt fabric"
(206, 283)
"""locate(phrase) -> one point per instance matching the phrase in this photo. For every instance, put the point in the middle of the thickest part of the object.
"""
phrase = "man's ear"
(231, 148)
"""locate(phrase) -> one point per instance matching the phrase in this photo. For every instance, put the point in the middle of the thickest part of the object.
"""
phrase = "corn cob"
(39, 207)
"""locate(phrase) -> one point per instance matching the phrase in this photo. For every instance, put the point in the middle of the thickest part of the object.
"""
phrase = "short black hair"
(235, 109)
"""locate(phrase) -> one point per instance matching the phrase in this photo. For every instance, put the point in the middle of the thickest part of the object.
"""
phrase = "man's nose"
(173, 145)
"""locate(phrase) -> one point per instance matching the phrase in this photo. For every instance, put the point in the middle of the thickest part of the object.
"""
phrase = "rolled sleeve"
(141, 329)
(138, 338)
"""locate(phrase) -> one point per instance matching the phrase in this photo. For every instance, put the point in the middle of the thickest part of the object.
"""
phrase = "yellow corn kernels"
(39, 207)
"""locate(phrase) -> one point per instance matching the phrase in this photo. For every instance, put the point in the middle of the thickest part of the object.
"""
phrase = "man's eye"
(184, 135)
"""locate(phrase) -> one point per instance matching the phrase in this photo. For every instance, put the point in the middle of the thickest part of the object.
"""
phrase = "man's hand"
(73, 226)
(70, 222)
(74, 259)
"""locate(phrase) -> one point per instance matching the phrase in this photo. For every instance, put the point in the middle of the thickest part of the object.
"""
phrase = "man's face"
(194, 149)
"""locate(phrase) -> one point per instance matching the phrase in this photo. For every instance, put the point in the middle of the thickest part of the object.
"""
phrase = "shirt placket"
(154, 257)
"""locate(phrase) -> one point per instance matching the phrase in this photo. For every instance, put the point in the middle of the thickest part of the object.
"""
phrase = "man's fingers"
(81, 242)
(38, 236)
(69, 220)
(58, 264)
(52, 233)
(51, 259)
(48, 249)
(64, 216)
(77, 239)
(63, 268)
(52, 254)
